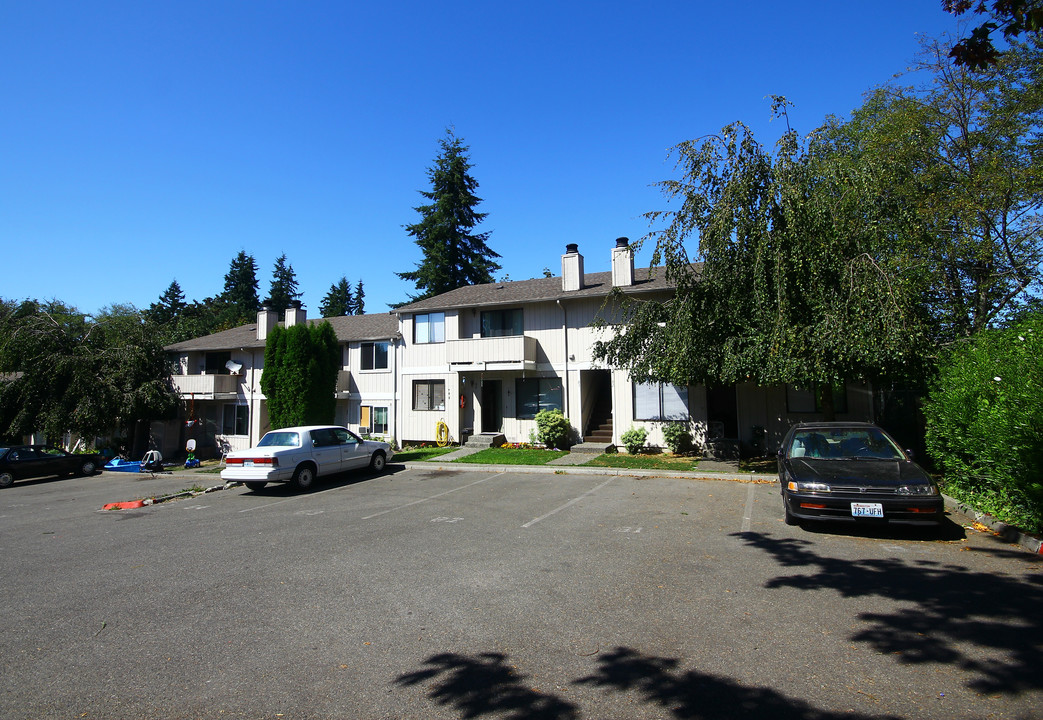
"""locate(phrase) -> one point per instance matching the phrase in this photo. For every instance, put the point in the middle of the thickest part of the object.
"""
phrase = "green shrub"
(552, 428)
(985, 423)
(634, 439)
(678, 437)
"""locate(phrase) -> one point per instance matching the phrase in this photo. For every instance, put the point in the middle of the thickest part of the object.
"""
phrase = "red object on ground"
(130, 505)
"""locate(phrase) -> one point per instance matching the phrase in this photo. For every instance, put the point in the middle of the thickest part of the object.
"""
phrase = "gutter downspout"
(565, 335)
(394, 389)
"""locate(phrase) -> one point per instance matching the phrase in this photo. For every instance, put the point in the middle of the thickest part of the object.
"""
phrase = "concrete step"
(483, 441)
(591, 448)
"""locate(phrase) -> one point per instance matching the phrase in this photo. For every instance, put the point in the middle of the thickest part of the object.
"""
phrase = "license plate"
(248, 463)
(872, 510)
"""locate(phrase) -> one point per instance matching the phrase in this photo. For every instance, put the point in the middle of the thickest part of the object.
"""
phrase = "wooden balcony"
(517, 352)
(207, 387)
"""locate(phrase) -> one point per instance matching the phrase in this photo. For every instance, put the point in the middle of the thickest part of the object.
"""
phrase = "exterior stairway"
(598, 438)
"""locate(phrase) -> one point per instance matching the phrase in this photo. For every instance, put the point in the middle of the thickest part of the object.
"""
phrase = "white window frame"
(659, 402)
(429, 328)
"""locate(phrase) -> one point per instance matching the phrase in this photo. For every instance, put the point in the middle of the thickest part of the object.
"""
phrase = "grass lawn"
(511, 456)
(419, 454)
(644, 462)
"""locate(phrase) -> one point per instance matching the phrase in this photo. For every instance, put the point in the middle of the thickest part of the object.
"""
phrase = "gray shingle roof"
(646, 280)
(349, 328)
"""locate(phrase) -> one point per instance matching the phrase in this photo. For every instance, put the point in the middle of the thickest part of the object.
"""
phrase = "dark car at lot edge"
(18, 462)
(853, 472)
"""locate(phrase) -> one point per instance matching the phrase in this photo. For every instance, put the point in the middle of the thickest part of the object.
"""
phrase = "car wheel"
(304, 476)
(88, 467)
(6, 479)
(255, 486)
(378, 461)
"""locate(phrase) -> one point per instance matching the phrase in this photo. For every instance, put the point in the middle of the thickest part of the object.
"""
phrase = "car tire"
(6, 479)
(255, 486)
(378, 462)
(304, 476)
(88, 467)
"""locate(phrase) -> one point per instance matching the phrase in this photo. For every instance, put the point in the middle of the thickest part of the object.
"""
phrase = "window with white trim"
(660, 401)
(373, 419)
(235, 420)
(536, 394)
(429, 328)
(429, 394)
(375, 356)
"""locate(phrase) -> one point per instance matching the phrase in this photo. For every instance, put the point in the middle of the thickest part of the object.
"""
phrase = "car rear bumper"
(906, 510)
(256, 474)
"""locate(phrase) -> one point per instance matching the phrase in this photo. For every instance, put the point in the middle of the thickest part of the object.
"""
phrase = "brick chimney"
(571, 268)
(266, 320)
(622, 263)
(295, 314)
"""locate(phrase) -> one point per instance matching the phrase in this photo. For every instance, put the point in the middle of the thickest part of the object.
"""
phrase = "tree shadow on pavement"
(692, 694)
(486, 685)
(983, 623)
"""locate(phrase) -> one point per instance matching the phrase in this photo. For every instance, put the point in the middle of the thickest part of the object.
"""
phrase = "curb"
(135, 504)
(1006, 532)
(578, 470)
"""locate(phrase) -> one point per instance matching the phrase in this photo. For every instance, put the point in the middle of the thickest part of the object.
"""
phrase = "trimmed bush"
(634, 440)
(552, 428)
(678, 437)
(985, 423)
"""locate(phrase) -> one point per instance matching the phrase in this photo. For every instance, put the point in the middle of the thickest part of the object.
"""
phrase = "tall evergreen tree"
(301, 364)
(359, 306)
(339, 300)
(454, 255)
(284, 286)
(239, 298)
(169, 306)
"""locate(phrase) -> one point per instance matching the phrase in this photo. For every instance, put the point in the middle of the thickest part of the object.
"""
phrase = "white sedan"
(300, 454)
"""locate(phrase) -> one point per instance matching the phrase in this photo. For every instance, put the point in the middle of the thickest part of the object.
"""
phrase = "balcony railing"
(343, 381)
(516, 350)
(205, 386)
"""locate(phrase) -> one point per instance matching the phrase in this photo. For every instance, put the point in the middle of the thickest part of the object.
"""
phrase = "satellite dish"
(234, 367)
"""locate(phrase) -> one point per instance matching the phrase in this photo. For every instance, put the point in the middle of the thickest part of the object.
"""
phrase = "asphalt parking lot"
(475, 594)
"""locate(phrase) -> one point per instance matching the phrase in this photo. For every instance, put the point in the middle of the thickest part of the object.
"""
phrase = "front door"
(492, 406)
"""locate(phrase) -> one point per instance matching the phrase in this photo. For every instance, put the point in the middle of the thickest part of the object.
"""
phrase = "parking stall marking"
(432, 497)
(570, 503)
(747, 514)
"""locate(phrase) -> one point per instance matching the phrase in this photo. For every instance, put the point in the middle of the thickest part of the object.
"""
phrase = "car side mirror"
(910, 453)
(779, 453)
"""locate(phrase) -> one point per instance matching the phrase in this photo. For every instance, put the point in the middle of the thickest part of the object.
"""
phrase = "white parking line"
(433, 497)
(747, 515)
(571, 502)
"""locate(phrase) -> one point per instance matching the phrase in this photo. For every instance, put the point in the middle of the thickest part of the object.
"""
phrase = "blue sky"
(142, 142)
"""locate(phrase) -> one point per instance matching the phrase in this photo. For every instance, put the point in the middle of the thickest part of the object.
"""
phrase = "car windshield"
(280, 439)
(843, 443)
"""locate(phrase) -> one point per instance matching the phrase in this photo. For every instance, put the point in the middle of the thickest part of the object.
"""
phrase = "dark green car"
(18, 462)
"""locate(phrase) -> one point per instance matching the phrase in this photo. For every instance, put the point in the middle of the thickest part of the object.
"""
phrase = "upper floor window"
(657, 401)
(501, 323)
(375, 356)
(216, 363)
(429, 328)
